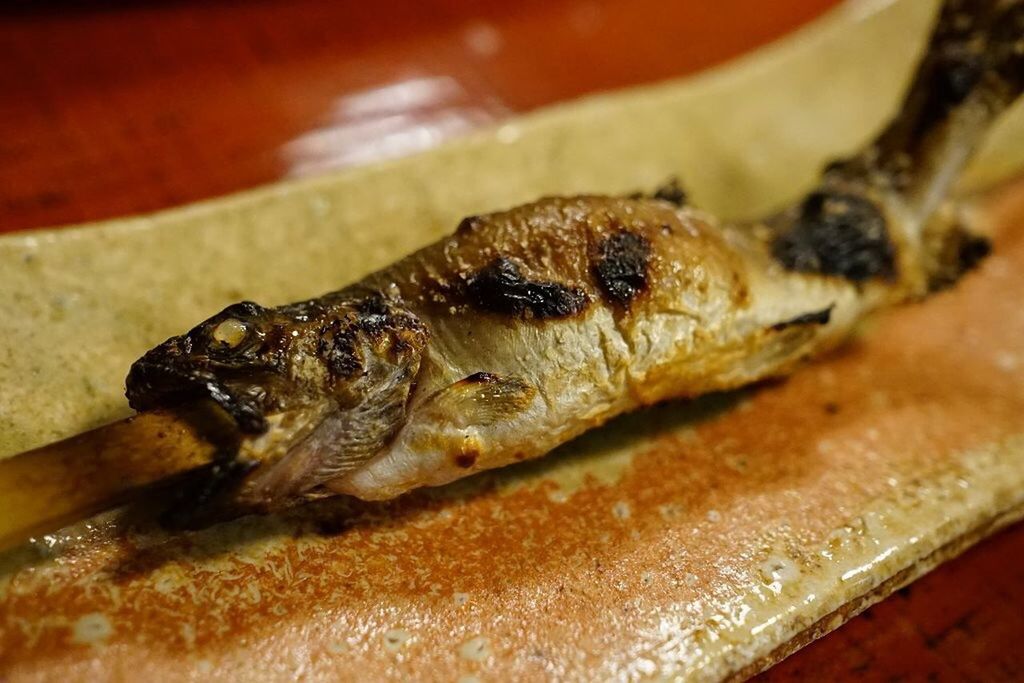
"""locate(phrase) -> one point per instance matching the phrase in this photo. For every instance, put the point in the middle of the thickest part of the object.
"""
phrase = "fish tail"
(880, 215)
(972, 69)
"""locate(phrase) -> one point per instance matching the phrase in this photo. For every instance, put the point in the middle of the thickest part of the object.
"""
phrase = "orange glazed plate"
(702, 540)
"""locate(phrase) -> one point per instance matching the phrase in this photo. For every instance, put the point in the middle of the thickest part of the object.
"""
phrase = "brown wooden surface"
(120, 109)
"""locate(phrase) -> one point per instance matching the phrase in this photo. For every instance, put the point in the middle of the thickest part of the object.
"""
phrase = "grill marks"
(838, 234)
(557, 258)
(671, 192)
(621, 267)
(339, 348)
(500, 287)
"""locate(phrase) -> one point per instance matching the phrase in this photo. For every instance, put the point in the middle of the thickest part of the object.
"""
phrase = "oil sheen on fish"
(527, 327)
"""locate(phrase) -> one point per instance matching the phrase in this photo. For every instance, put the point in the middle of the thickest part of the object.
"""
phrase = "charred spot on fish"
(373, 320)
(956, 62)
(466, 459)
(373, 304)
(974, 41)
(337, 346)
(671, 192)
(372, 316)
(974, 46)
(960, 253)
(821, 317)
(621, 267)
(481, 378)
(973, 250)
(958, 71)
(243, 309)
(1007, 49)
(246, 409)
(838, 234)
(165, 377)
(467, 224)
(500, 287)
(403, 335)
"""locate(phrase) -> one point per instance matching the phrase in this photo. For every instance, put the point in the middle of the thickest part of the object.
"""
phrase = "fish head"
(259, 364)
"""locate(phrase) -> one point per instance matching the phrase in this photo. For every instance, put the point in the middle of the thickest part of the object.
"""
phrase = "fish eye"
(230, 332)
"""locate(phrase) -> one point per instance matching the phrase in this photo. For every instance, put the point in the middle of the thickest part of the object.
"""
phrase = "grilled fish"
(527, 327)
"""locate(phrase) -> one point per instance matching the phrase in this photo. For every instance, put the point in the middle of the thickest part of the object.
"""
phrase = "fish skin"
(703, 321)
(530, 326)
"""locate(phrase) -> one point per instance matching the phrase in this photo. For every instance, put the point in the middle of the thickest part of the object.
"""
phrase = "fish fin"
(482, 399)
(342, 442)
(780, 345)
(819, 317)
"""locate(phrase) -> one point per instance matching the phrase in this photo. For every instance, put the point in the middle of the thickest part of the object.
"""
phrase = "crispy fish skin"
(664, 305)
(527, 327)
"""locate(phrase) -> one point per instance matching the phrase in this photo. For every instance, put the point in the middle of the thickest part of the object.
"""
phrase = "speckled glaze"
(698, 540)
(725, 528)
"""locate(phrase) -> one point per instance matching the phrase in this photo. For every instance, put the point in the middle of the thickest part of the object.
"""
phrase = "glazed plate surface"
(700, 539)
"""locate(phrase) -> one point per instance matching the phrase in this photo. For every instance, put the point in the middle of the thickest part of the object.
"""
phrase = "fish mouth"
(253, 460)
(159, 385)
(259, 473)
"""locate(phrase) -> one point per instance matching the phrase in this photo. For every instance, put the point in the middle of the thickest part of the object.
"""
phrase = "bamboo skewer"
(47, 488)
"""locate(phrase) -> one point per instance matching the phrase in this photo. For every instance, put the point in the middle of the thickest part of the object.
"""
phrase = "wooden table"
(116, 109)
